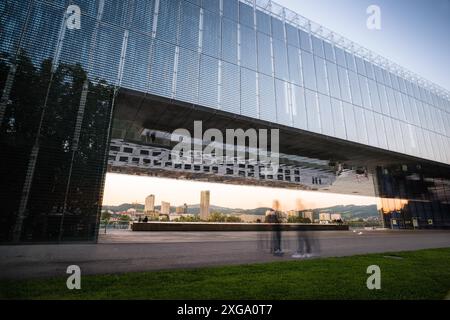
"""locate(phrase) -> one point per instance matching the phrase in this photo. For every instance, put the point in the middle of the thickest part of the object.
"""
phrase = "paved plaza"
(121, 251)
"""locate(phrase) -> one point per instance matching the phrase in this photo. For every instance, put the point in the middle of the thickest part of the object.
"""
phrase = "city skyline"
(121, 189)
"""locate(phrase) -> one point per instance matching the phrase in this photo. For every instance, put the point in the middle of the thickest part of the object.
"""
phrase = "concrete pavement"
(125, 251)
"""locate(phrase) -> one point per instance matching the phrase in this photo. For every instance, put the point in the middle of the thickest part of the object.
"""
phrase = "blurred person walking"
(304, 245)
(275, 219)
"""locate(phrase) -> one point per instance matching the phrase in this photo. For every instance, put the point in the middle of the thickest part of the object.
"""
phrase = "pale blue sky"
(414, 33)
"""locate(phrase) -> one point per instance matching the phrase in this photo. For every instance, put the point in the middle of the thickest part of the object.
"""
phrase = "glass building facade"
(250, 58)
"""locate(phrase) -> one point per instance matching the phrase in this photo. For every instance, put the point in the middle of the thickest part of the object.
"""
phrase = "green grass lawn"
(421, 274)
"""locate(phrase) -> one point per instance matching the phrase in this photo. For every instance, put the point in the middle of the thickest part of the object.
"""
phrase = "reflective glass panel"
(230, 89)
(350, 123)
(338, 119)
(162, 68)
(340, 57)
(305, 42)
(292, 36)
(263, 22)
(283, 111)
(354, 87)
(280, 59)
(333, 80)
(299, 114)
(326, 115)
(361, 127)
(295, 69)
(248, 93)
(313, 112)
(187, 76)
(229, 41)
(329, 53)
(277, 29)
(264, 54)
(189, 25)
(208, 93)
(317, 46)
(350, 61)
(267, 98)
(371, 128)
(167, 20)
(309, 76)
(344, 84)
(230, 9)
(321, 77)
(248, 47)
(246, 14)
(211, 34)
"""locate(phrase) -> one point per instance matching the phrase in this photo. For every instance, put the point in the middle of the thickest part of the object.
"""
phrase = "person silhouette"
(303, 244)
(276, 220)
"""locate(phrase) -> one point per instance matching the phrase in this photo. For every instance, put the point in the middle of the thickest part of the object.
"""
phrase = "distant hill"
(350, 211)
(124, 207)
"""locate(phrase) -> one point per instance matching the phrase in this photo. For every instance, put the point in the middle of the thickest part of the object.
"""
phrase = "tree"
(217, 217)
(105, 215)
(124, 218)
(195, 218)
(298, 220)
(44, 111)
(233, 219)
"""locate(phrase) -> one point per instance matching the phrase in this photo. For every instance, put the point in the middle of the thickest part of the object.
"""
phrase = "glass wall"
(57, 90)
(188, 36)
(412, 197)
